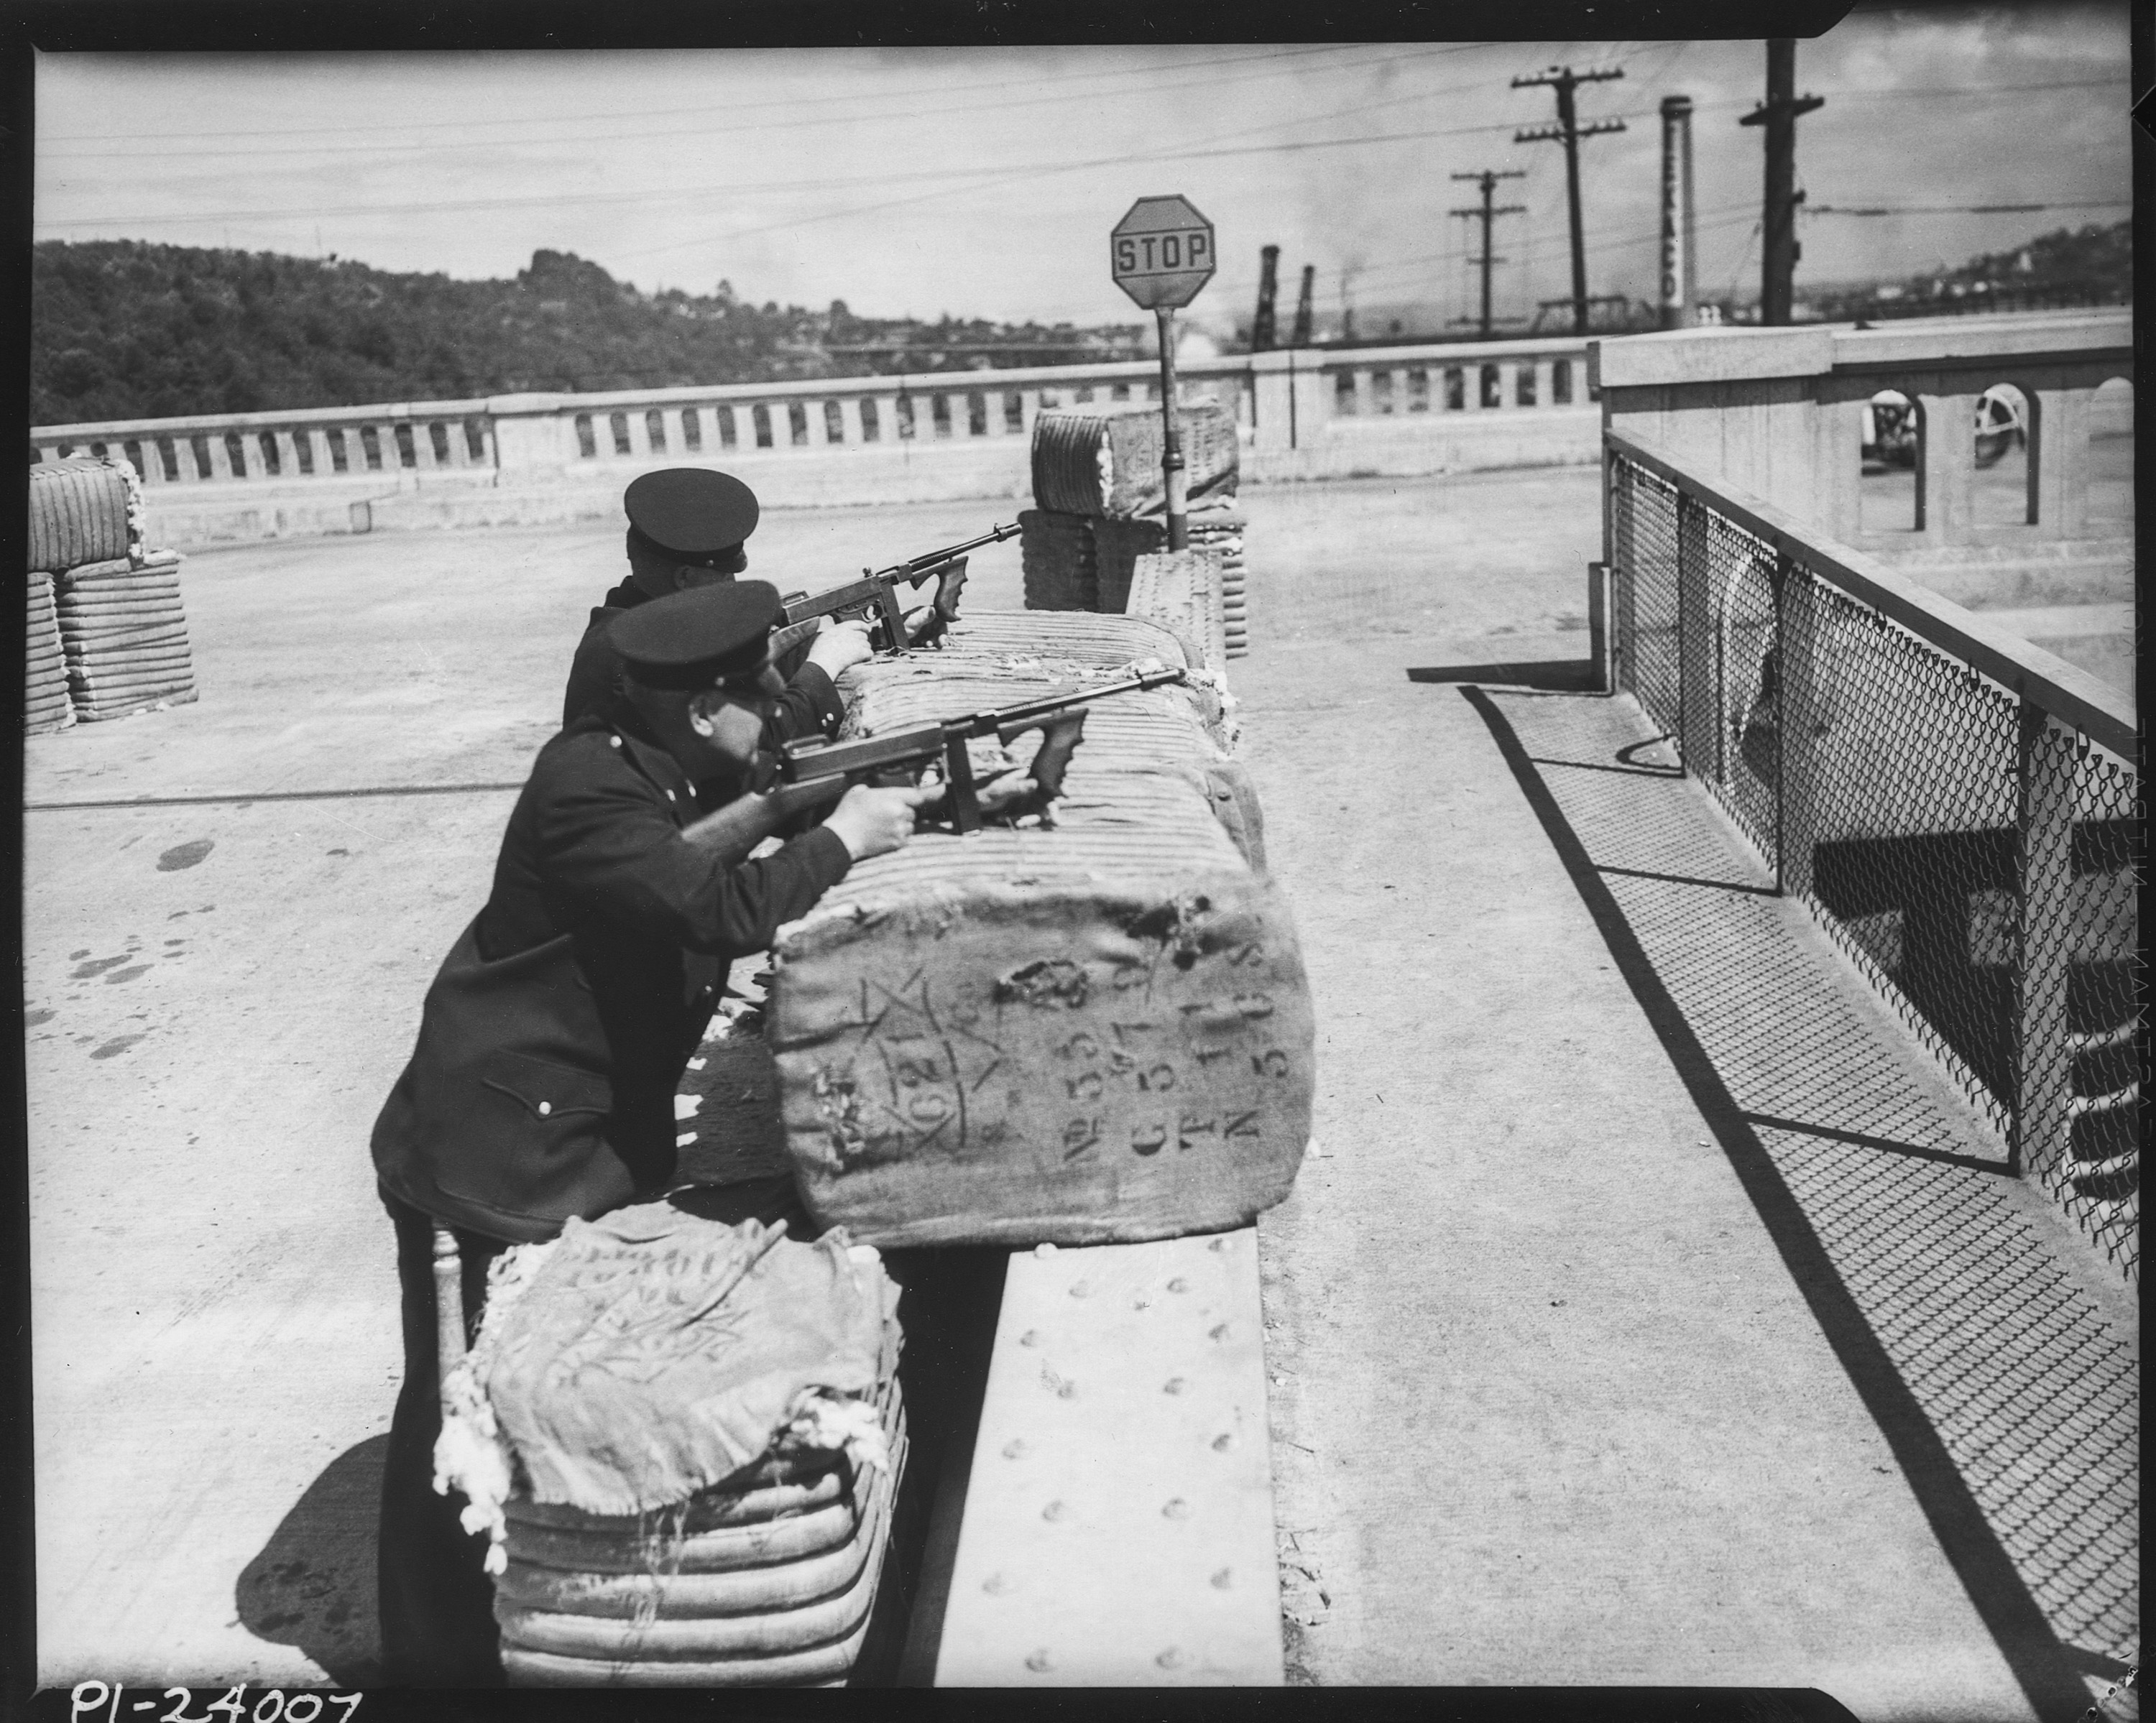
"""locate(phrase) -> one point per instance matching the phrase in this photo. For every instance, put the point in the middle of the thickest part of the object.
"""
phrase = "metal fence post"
(1698, 710)
(1622, 508)
(1801, 721)
(1598, 642)
(2043, 955)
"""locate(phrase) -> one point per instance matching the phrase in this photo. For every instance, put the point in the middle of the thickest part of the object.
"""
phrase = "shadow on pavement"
(312, 1586)
(2006, 1397)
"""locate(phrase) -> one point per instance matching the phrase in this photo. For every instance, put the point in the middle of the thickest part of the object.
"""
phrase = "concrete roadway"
(1551, 1406)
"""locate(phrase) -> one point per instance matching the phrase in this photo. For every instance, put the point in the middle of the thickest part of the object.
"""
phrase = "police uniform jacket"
(553, 1038)
(810, 706)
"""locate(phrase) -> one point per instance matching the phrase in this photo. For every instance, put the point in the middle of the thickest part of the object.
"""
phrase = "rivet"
(1055, 1511)
(1170, 1658)
(1223, 1442)
(1222, 1580)
(544, 1108)
(1081, 1289)
(1218, 1330)
(1178, 1284)
(1031, 1337)
(996, 1584)
(1038, 1662)
(1177, 1508)
(1173, 1384)
(1016, 1448)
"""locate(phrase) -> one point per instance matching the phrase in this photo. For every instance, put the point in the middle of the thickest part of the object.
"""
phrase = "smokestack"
(1680, 261)
(1302, 307)
(1262, 337)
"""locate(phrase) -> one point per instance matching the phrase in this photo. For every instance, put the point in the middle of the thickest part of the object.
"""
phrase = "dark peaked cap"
(691, 511)
(696, 638)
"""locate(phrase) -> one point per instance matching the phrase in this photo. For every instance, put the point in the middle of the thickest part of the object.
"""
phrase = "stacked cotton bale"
(1096, 470)
(684, 1439)
(1090, 1029)
(46, 706)
(1055, 552)
(1181, 590)
(126, 633)
(1102, 460)
(122, 627)
(766, 1580)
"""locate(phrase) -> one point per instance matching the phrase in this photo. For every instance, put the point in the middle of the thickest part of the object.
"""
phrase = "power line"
(1961, 208)
(342, 145)
(556, 199)
(555, 121)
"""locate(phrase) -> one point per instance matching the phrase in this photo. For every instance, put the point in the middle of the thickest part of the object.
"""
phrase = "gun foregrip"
(1060, 737)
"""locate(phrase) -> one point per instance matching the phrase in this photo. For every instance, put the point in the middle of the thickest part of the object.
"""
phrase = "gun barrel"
(921, 565)
(1048, 705)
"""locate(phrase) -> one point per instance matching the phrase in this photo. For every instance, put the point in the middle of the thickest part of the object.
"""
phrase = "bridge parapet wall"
(1308, 413)
(1781, 413)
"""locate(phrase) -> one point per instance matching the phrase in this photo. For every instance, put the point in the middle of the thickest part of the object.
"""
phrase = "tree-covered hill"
(125, 330)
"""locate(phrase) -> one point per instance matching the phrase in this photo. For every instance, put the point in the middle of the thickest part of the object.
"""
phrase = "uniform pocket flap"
(546, 1089)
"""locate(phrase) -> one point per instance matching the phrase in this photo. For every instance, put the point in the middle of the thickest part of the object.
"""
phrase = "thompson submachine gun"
(812, 771)
(873, 597)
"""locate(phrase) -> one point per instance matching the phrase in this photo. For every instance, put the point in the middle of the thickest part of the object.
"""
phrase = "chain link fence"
(1978, 859)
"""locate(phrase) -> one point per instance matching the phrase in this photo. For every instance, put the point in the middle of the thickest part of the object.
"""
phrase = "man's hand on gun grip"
(838, 646)
(872, 822)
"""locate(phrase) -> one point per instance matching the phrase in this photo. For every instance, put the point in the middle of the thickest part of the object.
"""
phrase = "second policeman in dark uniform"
(689, 527)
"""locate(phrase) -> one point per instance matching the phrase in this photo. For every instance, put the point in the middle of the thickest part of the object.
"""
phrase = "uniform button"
(669, 795)
(614, 740)
(544, 1108)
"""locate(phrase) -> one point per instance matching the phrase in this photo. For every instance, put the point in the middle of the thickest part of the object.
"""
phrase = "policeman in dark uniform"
(554, 1035)
(688, 527)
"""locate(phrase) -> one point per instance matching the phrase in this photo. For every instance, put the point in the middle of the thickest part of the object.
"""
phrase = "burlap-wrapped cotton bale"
(1001, 658)
(1182, 589)
(82, 510)
(1118, 544)
(124, 627)
(1103, 459)
(677, 1608)
(46, 706)
(1056, 555)
(1093, 1033)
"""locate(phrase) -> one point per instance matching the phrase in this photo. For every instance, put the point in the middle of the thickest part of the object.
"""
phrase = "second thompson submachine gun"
(874, 598)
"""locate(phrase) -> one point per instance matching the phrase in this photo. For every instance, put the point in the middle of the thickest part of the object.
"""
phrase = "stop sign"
(1161, 253)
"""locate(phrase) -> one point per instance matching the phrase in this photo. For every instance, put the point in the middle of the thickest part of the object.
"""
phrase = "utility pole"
(1568, 132)
(1263, 339)
(1779, 114)
(1488, 180)
(1300, 338)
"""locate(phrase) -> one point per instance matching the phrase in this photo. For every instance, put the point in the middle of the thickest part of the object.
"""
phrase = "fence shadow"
(2008, 1399)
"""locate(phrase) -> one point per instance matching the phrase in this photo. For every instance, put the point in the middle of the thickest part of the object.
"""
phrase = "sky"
(983, 182)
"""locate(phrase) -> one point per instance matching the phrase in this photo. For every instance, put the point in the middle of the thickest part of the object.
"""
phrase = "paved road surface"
(1552, 1405)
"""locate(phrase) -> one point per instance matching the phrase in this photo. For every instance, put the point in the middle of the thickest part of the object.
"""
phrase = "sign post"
(1161, 253)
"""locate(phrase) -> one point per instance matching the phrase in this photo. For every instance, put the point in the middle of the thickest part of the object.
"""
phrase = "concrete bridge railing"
(1305, 414)
(1784, 412)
